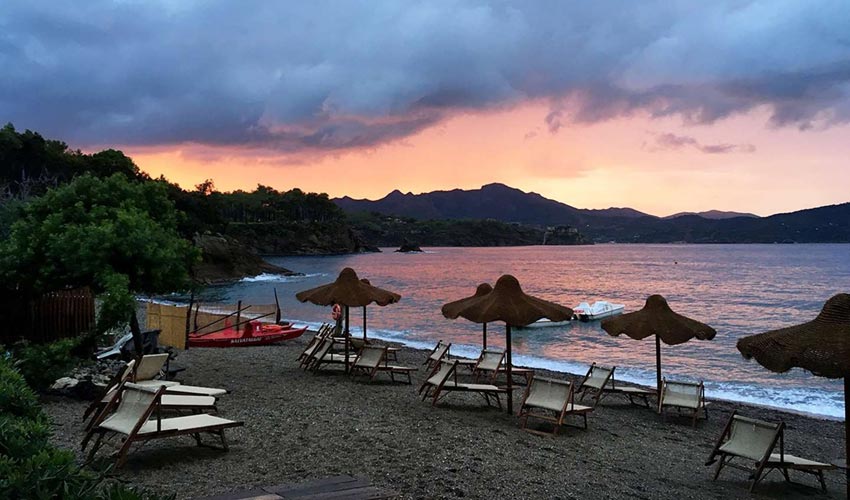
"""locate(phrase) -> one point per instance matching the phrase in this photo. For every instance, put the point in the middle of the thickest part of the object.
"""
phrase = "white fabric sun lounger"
(545, 395)
(443, 380)
(373, 360)
(756, 441)
(137, 417)
(149, 367)
(683, 395)
(599, 382)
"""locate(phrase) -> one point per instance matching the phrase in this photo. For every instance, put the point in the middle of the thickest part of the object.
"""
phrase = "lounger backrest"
(443, 373)
(549, 393)
(323, 348)
(687, 390)
(135, 405)
(439, 351)
(599, 376)
(490, 360)
(150, 366)
(370, 356)
(751, 438)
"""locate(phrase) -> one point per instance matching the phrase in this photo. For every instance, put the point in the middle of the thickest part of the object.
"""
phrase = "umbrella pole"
(510, 376)
(364, 323)
(658, 364)
(347, 367)
(485, 335)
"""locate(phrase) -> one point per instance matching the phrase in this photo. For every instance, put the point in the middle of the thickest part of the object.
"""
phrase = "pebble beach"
(301, 426)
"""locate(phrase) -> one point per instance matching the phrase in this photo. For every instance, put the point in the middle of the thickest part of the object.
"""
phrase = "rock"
(409, 248)
(226, 259)
(64, 384)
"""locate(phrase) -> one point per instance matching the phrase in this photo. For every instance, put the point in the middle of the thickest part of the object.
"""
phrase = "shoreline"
(301, 426)
(408, 345)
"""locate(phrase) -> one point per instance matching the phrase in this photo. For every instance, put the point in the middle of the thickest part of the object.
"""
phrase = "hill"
(713, 214)
(829, 224)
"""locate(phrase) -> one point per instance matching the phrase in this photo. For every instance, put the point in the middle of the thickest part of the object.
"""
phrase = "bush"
(42, 364)
(29, 466)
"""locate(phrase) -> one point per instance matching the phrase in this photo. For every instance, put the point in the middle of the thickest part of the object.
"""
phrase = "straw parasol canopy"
(821, 346)
(348, 291)
(452, 309)
(656, 318)
(507, 302)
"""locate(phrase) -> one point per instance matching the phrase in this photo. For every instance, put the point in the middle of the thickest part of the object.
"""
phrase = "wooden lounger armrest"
(397, 368)
(797, 463)
(466, 361)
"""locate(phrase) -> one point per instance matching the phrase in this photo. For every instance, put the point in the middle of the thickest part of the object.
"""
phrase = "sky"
(662, 106)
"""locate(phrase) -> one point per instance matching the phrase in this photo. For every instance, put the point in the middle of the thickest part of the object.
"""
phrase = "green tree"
(116, 236)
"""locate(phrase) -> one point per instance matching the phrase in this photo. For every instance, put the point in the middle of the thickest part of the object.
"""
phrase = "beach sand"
(301, 426)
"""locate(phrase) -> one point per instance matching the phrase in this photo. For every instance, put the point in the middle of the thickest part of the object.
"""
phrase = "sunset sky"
(660, 106)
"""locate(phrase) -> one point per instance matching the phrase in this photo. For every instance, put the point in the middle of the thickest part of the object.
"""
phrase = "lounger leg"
(822, 482)
(757, 476)
(785, 473)
(95, 446)
(122, 453)
(224, 444)
(197, 437)
(720, 464)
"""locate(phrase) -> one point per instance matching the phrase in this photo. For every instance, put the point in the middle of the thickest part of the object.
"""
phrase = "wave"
(280, 278)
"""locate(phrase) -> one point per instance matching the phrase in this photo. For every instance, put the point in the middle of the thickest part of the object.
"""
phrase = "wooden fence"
(53, 316)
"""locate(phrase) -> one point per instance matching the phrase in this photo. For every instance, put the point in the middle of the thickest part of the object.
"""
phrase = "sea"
(737, 289)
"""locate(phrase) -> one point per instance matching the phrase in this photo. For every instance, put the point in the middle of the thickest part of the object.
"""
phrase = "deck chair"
(150, 366)
(599, 382)
(443, 379)
(175, 402)
(306, 355)
(544, 395)
(137, 417)
(756, 441)
(324, 355)
(683, 395)
(488, 365)
(373, 360)
(440, 351)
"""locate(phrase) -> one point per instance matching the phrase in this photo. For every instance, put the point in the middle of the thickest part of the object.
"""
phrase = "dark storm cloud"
(325, 76)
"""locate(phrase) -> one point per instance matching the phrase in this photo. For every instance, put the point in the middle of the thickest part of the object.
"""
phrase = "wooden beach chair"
(307, 354)
(756, 441)
(683, 395)
(137, 417)
(325, 355)
(488, 365)
(373, 360)
(174, 402)
(150, 366)
(599, 382)
(545, 395)
(443, 379)
(440, 351)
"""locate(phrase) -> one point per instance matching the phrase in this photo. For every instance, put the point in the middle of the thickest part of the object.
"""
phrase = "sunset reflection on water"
(737, 289)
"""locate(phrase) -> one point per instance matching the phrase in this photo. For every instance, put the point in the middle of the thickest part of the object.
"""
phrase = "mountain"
(493, 201)
(829, 224)
(713, 214)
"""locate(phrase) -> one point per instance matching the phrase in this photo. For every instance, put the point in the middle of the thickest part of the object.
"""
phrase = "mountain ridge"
(496, 201)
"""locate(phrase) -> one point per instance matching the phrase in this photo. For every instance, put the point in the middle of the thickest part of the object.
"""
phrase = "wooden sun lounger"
(599, 382)
(756, 441)
(488, 364)
(321, 333)
(137, 417)
(373, 360)
(440, 351)
(683, 395)
(545, 395)
(174, 402)
(150, 366)
(443, 379)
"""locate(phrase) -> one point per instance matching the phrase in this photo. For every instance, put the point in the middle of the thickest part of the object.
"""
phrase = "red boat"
(255, 333)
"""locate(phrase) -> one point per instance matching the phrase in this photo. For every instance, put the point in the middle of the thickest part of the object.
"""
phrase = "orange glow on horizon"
(611, 163)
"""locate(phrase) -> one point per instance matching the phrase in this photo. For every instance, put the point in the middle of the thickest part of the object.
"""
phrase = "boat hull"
(545, 323)
(232, 338)
(599, 310)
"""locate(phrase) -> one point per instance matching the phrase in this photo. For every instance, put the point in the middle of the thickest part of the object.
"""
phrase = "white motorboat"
(546, 323)
(599, 310)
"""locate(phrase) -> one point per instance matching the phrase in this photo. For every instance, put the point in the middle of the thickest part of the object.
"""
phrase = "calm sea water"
(737, 289)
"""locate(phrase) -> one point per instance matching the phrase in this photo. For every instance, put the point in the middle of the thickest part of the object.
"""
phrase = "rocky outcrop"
(87, 381)
(408, 247)
(224, 259)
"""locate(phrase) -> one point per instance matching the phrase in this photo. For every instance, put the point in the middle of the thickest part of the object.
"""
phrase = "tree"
(116, 236)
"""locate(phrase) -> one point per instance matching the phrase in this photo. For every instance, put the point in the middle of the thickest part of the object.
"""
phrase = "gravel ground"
(301, 426)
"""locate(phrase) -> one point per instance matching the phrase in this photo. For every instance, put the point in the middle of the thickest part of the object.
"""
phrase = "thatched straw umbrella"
(452, 309)
(508, 303)
(821, 346)
(656, 318)
(348, 291)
